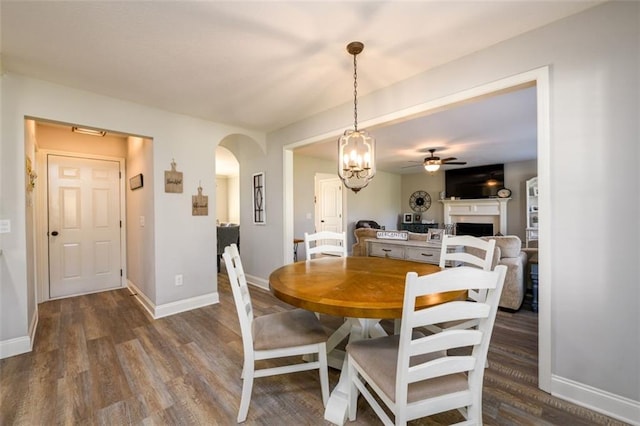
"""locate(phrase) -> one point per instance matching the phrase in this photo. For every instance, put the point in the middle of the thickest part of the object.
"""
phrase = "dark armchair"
(227, 235)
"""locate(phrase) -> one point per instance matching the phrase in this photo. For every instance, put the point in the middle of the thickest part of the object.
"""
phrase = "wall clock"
(420, 201)
(504, 193)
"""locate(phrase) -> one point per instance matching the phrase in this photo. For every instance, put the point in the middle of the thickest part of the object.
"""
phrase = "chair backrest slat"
(325, 242)
(420, 358)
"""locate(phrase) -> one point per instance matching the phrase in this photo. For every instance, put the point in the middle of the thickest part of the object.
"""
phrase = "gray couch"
(509, 252)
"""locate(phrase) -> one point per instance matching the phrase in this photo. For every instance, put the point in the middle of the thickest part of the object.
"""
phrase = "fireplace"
(474, 229)
(491, 211)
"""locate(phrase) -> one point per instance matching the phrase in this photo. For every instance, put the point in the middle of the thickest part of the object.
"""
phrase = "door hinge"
(120, 272)
(120, 224)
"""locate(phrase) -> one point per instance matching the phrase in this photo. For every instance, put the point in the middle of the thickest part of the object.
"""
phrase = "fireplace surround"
(481, 211)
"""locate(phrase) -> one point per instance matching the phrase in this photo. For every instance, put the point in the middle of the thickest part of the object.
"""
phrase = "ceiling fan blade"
(455, 162)
(446, 160)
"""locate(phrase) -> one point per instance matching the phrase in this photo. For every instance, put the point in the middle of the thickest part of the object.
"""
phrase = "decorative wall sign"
(173, 180)
(136, 182)
(392, 235)
(259, 214)
(199, 204)
(31, 175)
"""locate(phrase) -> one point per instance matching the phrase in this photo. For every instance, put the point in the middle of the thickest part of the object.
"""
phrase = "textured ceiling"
(260, 65)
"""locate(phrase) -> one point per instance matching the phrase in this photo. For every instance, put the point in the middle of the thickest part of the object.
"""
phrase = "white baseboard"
(172, 308)
(258, 282)
(609, 404)
(22, 344)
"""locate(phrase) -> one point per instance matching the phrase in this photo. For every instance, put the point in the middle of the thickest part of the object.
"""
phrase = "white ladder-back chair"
(325, 242)
(283, 334)
(414, 375)
(470, 251)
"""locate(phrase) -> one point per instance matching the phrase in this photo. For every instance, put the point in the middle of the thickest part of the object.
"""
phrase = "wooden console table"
(412, 250)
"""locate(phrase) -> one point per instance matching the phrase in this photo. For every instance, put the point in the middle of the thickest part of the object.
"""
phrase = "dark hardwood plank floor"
(100, 359)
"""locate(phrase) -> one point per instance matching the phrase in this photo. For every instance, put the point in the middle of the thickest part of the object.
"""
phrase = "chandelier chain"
(355, 93)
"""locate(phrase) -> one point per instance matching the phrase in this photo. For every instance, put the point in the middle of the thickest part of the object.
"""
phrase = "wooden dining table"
(361, 289)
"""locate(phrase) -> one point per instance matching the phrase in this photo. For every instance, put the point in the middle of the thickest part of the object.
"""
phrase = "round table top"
(357, 287)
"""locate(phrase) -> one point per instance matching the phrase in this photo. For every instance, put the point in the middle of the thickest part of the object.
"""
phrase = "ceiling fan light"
(431, 166)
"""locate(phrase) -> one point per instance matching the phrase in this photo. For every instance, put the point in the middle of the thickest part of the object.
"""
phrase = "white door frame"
(541, 78)
(42, 240)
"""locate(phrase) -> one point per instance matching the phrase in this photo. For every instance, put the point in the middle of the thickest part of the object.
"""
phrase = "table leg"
(338, 405)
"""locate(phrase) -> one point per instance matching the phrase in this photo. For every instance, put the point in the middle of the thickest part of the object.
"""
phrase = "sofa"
(508, 252)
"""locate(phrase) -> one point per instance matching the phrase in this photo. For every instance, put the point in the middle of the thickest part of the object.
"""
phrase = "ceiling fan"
(433, 163)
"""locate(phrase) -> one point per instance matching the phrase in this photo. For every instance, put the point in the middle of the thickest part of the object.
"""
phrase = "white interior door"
(329, 204)
(84, 225)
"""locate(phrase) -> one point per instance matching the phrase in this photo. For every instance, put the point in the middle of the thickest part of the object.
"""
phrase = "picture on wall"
(407, 218)
(259, 214)
(199, 204)
(173, 180)
(136, 182)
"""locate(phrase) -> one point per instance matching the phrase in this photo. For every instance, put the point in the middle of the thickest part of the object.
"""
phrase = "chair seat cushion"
(381, 356)
(297, 327)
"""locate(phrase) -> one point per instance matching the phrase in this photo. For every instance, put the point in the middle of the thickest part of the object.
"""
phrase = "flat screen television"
(474, 182)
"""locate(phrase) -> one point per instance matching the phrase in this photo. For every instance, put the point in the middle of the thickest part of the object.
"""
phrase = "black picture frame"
(136, 182)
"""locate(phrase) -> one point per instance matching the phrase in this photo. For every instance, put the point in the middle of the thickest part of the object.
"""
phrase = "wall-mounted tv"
(474, 182)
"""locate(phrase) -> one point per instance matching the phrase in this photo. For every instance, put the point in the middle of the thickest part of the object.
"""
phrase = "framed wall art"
(407, 218)
(259, 213)
(136, 182)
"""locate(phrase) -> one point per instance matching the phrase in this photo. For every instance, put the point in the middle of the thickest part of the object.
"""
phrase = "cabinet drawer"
(423, 254)
(386, 250)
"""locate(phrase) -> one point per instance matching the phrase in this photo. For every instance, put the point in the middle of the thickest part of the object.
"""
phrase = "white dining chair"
(283, 334)
(416, 376)
(470, 251)
(325, 243)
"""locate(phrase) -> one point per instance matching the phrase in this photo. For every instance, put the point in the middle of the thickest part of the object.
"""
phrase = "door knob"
(54, 233)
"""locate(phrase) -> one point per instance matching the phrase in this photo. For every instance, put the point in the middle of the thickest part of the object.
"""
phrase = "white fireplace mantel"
(480, 210)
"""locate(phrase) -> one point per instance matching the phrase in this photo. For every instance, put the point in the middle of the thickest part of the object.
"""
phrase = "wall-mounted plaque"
(173, 180)
(199, 204)
(136, 182)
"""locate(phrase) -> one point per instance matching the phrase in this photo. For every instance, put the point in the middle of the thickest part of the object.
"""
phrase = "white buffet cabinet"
(416, 251)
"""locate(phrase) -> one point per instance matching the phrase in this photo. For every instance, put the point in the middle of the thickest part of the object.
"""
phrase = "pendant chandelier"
(356, 148)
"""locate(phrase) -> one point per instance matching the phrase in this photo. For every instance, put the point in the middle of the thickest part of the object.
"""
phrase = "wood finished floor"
(99, 359)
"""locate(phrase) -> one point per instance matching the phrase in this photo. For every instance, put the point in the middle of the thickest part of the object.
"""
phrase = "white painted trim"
(539, 76)
(260, 282)
(22, 344)
(184, 305)
(172, 308)
(618, 407)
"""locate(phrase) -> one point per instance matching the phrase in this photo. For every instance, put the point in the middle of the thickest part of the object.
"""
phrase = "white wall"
(222, 199)
(141, 218)
(593, 288)
(184, 244)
